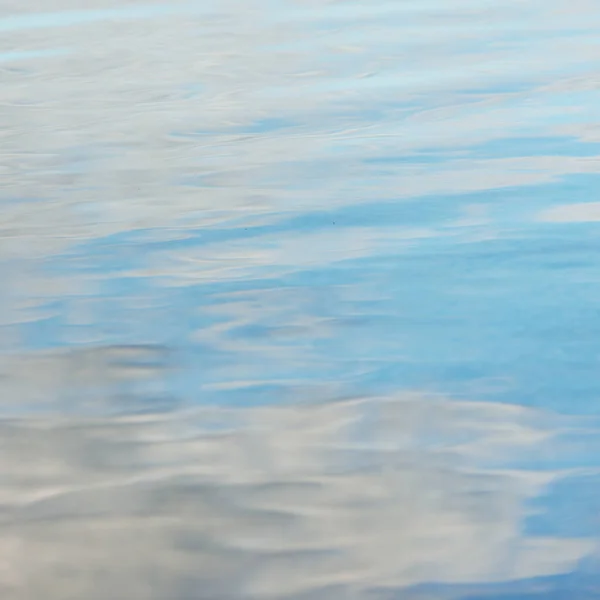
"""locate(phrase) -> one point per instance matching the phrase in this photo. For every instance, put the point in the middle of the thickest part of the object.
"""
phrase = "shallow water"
(299, 300)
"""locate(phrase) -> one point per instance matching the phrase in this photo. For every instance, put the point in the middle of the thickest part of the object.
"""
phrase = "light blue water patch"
(581, 584)
(522, 306)
(462, 316)
(44, 333)
(553, 515)
(408, 159)
(22, 200)
(29, 54)
(535, 146)
(445, 322)
(261, 126)
(464, 79)
(267, 125)
(525, 147)
(193, 90)
(505, 88)
(578, 99)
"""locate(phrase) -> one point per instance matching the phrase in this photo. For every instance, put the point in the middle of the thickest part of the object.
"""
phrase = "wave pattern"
(298, 299)
(339, 500)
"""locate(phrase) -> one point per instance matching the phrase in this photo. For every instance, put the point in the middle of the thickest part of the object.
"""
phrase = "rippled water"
(299, 300)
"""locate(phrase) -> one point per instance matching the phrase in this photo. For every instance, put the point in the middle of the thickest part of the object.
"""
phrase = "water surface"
(299, 300)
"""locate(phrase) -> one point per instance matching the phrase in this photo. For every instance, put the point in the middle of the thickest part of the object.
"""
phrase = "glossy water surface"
(299, 299)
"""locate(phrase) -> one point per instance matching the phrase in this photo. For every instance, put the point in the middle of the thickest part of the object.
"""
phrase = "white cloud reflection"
(274, 502)
(588, 212)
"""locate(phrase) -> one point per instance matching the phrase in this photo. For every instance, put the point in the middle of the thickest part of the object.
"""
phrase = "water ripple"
(299, 300)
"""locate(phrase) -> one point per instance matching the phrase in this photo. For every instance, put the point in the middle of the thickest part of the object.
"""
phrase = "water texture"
(299, 300)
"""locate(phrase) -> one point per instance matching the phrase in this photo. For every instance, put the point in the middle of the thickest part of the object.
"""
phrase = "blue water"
(299, 300)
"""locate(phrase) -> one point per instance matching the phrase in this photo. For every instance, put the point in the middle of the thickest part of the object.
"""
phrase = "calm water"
(299, 300)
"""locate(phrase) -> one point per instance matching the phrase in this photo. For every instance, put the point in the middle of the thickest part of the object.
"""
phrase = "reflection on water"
(343, 500)
(299, 299)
